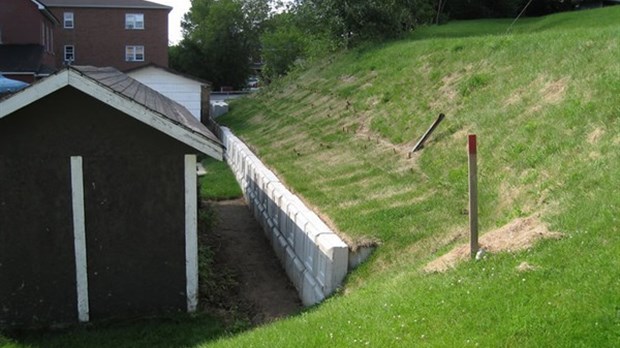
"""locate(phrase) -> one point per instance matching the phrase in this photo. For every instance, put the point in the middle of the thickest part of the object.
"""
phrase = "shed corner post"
(191, 233)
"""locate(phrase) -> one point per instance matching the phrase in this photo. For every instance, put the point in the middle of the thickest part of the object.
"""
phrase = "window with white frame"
(134, 53)
(69, 54)
(134, 21)
(68, 20)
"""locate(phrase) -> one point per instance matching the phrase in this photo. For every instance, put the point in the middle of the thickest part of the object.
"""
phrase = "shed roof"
(106, 4)
(169, 70)
(125, 94)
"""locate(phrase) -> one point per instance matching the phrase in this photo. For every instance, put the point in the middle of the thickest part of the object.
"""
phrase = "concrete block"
(283, 217)
(300, 231)
(292, 268)
(265, 221)
(320, 273)
(336, 252)
(310, 293)
(359, 256)
(279, 245)
(299, 272)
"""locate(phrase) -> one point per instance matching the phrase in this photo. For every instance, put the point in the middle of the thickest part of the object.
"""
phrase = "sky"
(179, 8)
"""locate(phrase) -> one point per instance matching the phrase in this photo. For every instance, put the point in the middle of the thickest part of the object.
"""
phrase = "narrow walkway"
(245, 250)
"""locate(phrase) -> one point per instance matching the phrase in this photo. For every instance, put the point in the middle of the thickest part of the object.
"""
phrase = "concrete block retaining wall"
(314, 257)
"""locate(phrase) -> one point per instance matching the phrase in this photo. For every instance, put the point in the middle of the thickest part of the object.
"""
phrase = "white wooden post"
(191, 232)
(79, 237)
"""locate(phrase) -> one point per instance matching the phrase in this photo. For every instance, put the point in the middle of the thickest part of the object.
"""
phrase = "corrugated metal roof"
(132, 89)
(105, 4)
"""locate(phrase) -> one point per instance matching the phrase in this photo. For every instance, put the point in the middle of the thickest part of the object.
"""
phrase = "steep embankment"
(543, 100)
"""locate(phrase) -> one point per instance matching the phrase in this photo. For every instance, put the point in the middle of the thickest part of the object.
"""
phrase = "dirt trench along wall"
(314, 257)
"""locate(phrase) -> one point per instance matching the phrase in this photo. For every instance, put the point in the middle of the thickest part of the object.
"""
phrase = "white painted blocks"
(313, 256)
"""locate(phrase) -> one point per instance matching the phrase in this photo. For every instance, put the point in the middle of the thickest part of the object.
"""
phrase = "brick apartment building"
(26, 39)
(124, 34)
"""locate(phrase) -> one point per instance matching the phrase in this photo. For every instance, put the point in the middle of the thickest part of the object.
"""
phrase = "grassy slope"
(544, 103)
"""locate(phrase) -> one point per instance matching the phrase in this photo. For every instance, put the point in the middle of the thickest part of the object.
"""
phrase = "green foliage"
(355, 21)
(314, 28)
(221, 38)
(282, 46)
(291, 38)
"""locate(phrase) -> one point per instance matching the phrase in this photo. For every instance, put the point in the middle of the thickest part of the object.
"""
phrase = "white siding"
(183, 90)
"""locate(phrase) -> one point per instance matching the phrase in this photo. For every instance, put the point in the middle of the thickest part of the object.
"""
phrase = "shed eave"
(33, 93)
(145, 115)
(120, 102)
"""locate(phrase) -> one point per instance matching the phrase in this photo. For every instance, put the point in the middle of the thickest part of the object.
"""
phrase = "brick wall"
(25, 30)
(99, 37)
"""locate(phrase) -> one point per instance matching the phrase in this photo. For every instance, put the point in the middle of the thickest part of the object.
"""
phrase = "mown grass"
(543, 102)
(219, 182)
(542, 99)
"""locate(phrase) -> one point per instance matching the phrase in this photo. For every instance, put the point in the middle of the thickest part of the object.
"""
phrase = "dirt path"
(244, 249)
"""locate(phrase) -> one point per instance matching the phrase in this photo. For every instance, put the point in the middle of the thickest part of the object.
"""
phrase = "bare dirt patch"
(595, 135)
(520, 234)
(525, 267)
(553, 91)
(348, 78)
(262, 288)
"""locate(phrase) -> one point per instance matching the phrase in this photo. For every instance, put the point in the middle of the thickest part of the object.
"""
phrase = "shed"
(98, 200)
(185, 89)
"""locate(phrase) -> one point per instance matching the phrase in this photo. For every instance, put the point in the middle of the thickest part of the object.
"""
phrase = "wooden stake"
(473, 196)
(430, 130)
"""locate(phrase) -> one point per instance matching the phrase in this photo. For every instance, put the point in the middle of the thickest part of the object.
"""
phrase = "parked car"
(253, 83)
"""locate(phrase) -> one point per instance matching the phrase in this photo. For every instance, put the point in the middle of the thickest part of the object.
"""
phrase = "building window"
(68, 20)
(134, 21)
(69, 54)
(134, 53)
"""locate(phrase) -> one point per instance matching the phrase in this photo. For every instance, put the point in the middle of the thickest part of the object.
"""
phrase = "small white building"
(184, 89)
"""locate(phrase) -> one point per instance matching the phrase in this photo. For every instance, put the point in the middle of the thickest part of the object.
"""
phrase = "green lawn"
(219, 183)
(543, 100)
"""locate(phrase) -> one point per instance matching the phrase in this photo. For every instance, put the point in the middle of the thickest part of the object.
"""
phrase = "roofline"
(18, 73)
(156, 7)
(74, 78)
(46, 11)
(170, 70)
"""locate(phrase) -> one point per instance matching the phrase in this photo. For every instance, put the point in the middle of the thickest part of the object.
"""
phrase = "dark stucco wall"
(37, 267)
(134, 211)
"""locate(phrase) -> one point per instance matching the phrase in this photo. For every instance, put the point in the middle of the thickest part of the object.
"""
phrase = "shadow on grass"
(173, 331)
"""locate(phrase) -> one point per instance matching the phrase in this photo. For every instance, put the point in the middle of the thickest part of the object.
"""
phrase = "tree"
(221, 39)
(355, 21)
(282, 45)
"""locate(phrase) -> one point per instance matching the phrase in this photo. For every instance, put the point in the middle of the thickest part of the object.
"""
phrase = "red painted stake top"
(472, 144)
